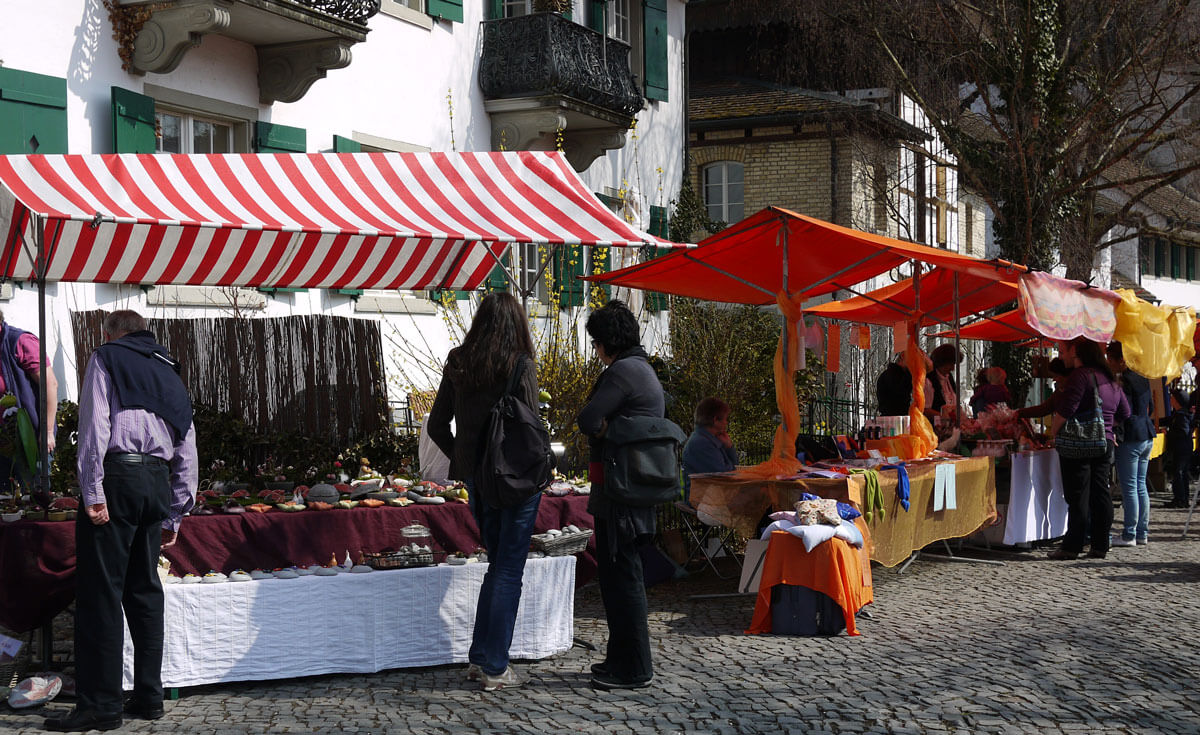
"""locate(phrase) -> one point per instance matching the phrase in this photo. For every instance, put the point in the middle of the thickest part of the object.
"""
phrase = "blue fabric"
(902, 487)
(704, 452)
(145, 377)
(845, 510)
(505, 533)
(1133, 459)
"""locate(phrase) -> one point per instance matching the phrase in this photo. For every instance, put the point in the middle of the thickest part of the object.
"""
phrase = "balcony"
(296, 41)
(546, 78)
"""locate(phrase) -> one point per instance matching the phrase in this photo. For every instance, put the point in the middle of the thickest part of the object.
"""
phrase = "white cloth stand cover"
(351, 623)
(1037, 509)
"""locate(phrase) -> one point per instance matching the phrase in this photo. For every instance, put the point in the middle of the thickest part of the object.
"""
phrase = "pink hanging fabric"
(1063, 309)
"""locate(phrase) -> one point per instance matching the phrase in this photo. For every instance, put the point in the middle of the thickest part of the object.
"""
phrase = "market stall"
(37, 558)
(892, 537)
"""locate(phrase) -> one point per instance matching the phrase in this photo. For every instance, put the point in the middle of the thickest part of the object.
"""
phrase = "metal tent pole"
(42, 485)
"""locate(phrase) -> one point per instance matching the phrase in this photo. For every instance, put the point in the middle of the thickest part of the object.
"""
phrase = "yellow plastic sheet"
(1156, 340)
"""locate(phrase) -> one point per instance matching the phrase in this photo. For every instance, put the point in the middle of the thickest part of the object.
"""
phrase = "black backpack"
(515, 461)
(641, 461)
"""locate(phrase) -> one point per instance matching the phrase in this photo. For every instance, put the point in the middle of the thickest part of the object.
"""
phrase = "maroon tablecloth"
(37, 558)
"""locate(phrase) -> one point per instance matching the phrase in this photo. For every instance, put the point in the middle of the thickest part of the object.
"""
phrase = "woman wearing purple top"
(1086, 481)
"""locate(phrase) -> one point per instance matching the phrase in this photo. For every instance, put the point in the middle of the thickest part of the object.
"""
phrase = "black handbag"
(641, 461)
(1084, 439)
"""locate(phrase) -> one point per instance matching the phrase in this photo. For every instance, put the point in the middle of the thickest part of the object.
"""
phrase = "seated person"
(893, 389)
(433, 463)
(709, 448)
(992, 392)
(945, 390)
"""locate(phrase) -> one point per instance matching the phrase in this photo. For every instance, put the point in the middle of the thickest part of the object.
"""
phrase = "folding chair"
(701, 536)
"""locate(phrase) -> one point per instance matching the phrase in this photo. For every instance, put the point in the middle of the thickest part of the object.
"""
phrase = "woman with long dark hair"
(1086, 481)
(627, 387)
(476, 374)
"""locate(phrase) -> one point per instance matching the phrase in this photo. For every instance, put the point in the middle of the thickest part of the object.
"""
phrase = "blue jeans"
(505, 533)
(1132, 460)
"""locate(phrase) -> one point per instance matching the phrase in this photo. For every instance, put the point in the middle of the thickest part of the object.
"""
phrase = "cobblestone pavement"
(1035, 646)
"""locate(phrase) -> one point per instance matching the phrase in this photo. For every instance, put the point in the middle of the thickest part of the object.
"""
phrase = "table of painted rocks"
(740, 503)
(37, 558)
(350, 623)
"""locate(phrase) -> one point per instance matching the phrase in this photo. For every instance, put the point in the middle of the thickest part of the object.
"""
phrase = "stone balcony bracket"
(295, 43)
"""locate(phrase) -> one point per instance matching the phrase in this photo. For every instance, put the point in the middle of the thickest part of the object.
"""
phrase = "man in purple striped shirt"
(137, 472)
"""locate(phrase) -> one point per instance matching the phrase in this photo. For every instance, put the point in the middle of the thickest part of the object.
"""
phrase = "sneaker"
(1123, 542)
(1143, 542)
(507, 679)
(473, 672)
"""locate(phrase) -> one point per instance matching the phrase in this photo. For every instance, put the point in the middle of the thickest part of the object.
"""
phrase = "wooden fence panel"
(317, 375)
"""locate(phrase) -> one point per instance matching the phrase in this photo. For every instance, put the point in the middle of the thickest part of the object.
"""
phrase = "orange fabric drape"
(831, 567)
(924, 438)
(783, 460)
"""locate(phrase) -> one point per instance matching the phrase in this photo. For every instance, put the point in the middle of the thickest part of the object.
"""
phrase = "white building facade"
(229, 76)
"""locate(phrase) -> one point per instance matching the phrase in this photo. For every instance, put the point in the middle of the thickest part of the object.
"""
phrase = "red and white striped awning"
(318, 220)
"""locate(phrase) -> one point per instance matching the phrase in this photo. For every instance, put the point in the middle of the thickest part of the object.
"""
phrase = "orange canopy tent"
(1007, 327)
(933, 298)
(781, 257)
(778, 251)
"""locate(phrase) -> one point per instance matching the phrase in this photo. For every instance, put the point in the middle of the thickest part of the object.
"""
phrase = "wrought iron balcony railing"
(545, 54)
(355, 11)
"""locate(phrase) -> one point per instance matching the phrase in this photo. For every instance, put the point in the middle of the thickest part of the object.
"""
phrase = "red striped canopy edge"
(316, 220)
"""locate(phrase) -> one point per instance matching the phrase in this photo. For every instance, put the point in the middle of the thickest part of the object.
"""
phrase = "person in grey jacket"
(709, 448)
(475, 376)
(626, 387)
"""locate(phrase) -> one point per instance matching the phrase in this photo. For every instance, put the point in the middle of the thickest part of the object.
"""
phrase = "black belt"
(133, 458)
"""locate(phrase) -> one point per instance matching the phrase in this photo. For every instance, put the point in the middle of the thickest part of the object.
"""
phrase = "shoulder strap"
(514, 380)
(1096, 392)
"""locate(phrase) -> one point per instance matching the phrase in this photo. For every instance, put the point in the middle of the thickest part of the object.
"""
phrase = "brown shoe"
(1059, 554)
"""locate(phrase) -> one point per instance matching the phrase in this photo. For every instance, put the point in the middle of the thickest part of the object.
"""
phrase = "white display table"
(1037, 509)
(351, 623)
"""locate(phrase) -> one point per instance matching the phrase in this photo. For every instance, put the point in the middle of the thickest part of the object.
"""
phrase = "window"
(527, 269)
(181, 132)
(1177, 253)
(513, 8)
(722, 185)
(620, 21)
(1160, 258)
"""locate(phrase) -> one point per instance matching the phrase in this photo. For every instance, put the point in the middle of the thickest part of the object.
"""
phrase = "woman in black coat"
(627, 387)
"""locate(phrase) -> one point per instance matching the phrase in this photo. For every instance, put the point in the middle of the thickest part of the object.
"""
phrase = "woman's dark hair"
(1114, 351)
(945, 354)
(1058, 367)
(499, 333)
(614, 326)
(1090, 355)
(708, 410)
(981, 377)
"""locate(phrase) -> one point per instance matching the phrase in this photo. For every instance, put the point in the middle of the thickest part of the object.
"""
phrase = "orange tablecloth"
(740, 504)
(832, 567)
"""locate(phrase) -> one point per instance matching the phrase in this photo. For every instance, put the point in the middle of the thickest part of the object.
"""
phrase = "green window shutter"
(600, 262)
(33, 112)
(658, 227)
(133, 122)
(654, 48)
(495, 9)
(1189, 260)
(445, 9)
(596, 15)
(353, 293)
(497, 280)
(275, 290)
(345, 145)
(272, 138)
(568, 266)
(437, 295)
(1160, 258)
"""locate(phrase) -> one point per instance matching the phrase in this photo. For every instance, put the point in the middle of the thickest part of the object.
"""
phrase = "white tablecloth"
(351, 623)
(1036, 507)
